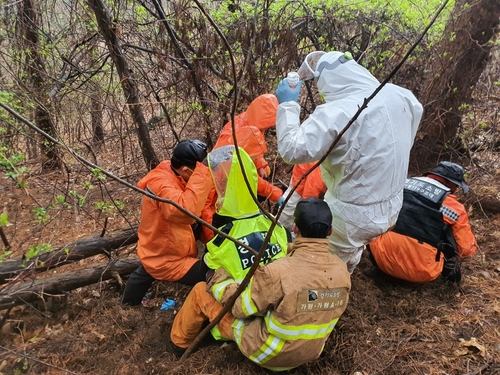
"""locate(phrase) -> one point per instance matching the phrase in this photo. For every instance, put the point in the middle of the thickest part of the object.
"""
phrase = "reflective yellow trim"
(218, 289)
(302, 332)
(247, 305)
(238, 325)
(270, 349)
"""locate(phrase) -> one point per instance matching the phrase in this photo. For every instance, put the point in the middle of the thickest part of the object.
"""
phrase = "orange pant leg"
(198, 307)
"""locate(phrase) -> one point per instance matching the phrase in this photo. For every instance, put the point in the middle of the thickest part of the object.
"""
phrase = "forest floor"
(389, 327)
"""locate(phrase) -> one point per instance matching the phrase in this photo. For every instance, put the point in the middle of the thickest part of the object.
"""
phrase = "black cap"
(451, 172)
(188, 152)
(312, 210)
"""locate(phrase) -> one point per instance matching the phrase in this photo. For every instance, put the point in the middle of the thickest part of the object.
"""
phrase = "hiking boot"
(175, 350)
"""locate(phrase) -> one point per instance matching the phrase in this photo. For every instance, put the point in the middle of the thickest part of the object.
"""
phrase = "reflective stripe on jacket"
(288, 310)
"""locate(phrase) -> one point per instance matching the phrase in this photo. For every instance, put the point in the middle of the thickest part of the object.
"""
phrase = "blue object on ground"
(168, 304)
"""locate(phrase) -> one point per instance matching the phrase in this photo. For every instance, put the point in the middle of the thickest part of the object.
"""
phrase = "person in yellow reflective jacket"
(290, 306)
(237, 215)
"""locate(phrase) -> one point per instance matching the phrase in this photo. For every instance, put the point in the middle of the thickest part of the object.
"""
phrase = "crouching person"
(167, 246)
(432, 233)
(290, 306)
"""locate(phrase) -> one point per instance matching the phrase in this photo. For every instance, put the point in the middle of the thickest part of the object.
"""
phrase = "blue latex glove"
(167, 305)
(285, 93)
(280, 201)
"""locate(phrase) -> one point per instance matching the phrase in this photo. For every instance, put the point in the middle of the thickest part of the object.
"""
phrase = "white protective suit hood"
(366, 171)
(339, 79)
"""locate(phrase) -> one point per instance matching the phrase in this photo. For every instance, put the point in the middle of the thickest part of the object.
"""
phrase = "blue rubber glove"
(285, 93)
(167, 305)
(280, 201)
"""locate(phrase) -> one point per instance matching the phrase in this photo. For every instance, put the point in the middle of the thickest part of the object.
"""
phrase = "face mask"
(311, 70)
(308, 68)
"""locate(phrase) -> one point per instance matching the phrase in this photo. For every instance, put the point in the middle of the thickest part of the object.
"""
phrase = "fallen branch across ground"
(78, 250)
(27, 292)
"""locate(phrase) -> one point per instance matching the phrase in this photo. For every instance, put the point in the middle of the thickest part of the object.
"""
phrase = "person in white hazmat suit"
(366, 171)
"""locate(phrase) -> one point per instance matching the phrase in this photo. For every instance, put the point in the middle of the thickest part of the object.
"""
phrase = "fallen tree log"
(19, 294)
(78, 250)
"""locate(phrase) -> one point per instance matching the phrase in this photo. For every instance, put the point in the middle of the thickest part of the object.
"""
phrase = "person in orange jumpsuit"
(167, 246)
(432, 232)
(311, 186)
(250, 127)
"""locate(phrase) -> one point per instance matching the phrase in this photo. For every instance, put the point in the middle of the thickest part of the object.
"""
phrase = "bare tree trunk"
(460, 59)
(42, 288)
(36, 71)
(96, 116)
(83, 248)
(108, 30)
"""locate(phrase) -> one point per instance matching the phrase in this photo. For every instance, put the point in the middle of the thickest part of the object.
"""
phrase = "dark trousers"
(140, 280)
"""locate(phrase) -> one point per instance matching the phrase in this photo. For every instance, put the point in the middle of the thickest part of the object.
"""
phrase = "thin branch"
(120, 180)
(364, 105)
(228, 306)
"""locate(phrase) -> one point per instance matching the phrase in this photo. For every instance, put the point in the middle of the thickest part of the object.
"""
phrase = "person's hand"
(262, 173)
(280, 201)
(285, 93)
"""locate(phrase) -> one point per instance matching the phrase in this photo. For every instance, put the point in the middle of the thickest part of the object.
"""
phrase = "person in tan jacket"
(167, 246)
(290, 306)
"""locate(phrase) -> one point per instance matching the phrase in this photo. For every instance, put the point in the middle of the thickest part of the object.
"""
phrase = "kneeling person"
(432, 232)
(290, 306)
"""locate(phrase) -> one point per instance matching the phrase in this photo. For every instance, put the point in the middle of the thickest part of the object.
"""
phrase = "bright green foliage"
(119, 204)
(4, 256)
(37, 250)
(3, 219)
(98, 174)
(103, 206)
(10, 165)
(80, 197)
(87, 185)
(41, 215)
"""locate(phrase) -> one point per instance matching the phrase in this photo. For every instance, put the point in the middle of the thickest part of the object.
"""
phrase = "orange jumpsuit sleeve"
(455, 215)
(314, 185)
(193, 198)
(268, 190)
(207, 214)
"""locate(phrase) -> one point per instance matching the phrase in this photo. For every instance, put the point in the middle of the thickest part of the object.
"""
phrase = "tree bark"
(35, 67)
(42, 288)
(460, 59)
(108, 30)
(83, 248)
(96, 117)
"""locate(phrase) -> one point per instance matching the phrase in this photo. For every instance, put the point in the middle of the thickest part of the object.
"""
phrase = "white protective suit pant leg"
(286, 217)
(355, 226)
